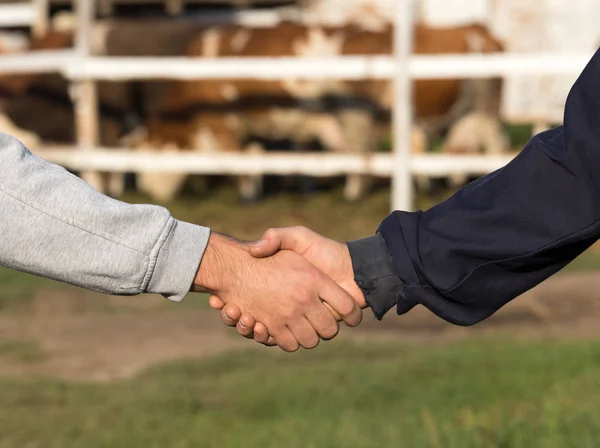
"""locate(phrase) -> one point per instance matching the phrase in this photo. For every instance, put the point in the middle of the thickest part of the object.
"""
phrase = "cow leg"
(307, 184)
(472, 134)
(250, 187)
(494, 138)
(420, 145)
(112, 184)
(161, 187)
(94, 179)
(115, 183)
(462, 138)
(360, 138)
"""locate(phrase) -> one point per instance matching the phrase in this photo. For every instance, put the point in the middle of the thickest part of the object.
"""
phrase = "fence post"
(85, 92)
(402, 187)
(40, 24)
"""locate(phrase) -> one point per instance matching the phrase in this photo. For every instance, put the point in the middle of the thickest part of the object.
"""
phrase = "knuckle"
(313, 279)
(270, 233)
(330, 331)
(304, 297)
(346, 307)
(355, 320)
(290, 347)
(302, 229)
(311, 342)
(289, 313)
(243, 330)
(261, 335)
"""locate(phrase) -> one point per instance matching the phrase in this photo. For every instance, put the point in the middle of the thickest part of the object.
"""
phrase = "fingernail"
(260, 242)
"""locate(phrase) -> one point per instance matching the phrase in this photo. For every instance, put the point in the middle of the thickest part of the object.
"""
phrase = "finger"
(266, 247)
(340, 301)
(304, 333)
(333, 312)
(297, 239)
(245, 326)
(323, 322)
(286, 340)
(216, 303)
(262, 336)
(230, 315)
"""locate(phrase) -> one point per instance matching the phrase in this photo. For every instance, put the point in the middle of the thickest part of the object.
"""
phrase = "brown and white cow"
(217, 115)
(38, 108)
(11, 43)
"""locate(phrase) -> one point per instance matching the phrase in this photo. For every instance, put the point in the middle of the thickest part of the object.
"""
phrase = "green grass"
(24, 351)
(18, 287)
(588, 261)
(484, 394)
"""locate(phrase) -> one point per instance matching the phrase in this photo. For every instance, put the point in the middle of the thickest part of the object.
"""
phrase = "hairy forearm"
(224, 258)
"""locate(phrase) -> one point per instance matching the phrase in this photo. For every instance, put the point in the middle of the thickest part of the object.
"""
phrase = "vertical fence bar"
(85, 92)
(40, 24)
(402, 188)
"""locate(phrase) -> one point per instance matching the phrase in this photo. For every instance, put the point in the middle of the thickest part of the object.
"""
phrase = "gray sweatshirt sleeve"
(55, 225)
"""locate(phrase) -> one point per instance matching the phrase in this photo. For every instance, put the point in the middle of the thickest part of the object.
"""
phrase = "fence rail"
(120, 68)
(343, 67)
(17, 14)
(380, 165)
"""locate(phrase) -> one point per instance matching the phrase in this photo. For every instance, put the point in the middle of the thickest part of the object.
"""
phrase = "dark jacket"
(500, 235)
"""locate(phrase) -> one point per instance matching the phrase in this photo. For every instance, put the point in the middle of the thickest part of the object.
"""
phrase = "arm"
(55, 225)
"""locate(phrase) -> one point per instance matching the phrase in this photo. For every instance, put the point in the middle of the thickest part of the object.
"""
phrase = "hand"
(283, 292)
(329, 256)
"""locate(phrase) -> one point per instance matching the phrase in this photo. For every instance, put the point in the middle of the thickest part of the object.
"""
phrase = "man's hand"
(283, 292)
(329, 256)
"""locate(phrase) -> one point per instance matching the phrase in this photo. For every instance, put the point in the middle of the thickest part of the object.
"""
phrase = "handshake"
(290, 289)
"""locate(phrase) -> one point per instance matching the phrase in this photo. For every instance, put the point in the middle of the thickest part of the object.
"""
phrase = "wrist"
(216, 269)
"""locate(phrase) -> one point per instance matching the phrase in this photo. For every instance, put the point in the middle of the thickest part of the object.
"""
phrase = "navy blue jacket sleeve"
(506, 232)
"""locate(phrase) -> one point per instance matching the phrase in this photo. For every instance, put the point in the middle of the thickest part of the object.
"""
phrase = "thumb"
(265, 247)
(297, 239)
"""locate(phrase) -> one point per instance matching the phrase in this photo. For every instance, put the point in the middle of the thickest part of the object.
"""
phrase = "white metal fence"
(32, 14)
(84, 70)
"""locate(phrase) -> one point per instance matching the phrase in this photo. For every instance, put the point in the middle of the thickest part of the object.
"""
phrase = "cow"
(39, 107)
(217, 115)
(11, 43)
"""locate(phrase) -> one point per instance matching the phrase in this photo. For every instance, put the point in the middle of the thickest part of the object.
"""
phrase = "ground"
(83, 369)
(74, 334)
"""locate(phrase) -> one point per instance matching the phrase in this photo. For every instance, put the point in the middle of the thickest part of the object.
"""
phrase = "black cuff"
(374, 274)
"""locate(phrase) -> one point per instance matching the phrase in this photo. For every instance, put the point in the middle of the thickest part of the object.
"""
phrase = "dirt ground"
(87, 336)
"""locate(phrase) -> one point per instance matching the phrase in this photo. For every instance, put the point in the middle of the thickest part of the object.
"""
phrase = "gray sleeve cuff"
(178, 260)
(374, 274)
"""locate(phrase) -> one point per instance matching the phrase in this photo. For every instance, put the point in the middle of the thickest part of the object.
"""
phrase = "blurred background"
(108, 90)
